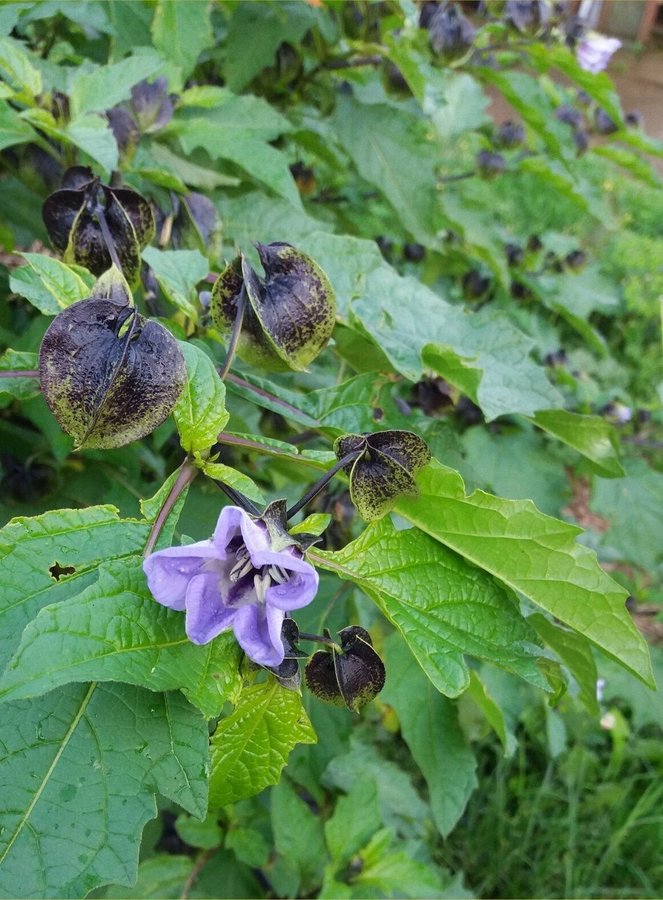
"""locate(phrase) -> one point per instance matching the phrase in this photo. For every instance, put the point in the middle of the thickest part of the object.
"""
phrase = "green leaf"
(532, 553)
(49, 284)
(96, 757)
(262, 162)
(392, 151)
(492, 712)
(636, 498)
(256, 32)
(178, 272)
(245, 116)
(109, 85)
(592, 436)
(161, 160)
(251, 746)
(455, 101)
(175, 20)
(20, 386)
(163, 875)
(233, 479)
(200, 413)
(17, 69)
(632, 162)
(444, 607)
(431, 730)
(356, 818)
(302, 845)
(91, 133)
(13, 130)
(53, 557)
(114, 630)
(510, 381)
(575, 651)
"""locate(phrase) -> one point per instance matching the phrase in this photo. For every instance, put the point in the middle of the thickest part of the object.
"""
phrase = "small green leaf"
(444, 607)
(575, 651)
(178, 272)
(92, 134)
(13, 130)
(251, 746)
(55, 556)
(174, 19)
(592, 436)
(20, 386)
(163, 875)
(431, 730)
(303, 845)
(114, 630)
(17, 69)
(492, 712)
(49, 284)
(356, 818)
(96, 756)
(200, 413)
(534, 554)
(108, 85)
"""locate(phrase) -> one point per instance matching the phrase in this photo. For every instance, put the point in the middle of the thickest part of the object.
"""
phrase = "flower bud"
(289, 314)
(72, 219)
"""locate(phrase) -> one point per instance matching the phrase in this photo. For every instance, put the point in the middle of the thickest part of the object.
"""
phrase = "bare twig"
(187, 473)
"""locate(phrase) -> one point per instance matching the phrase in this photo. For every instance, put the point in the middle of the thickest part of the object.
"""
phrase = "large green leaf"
(53, 557)
(431, 730)
(534, 554)
(48, 284)
(200, 413)
(251, 746)
(107, 85)
(181, 31)
(114, 630)
(17, 69)
(92, 134)
(632, 507)
(392, 150)
(444, 607)
(356, 818)
(80, 769)
(486, 345)
(13, 130)
(592, 436)
(575, 651)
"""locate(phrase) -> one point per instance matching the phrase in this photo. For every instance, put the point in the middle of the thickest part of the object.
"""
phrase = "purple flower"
(235, 580)
(594, 52)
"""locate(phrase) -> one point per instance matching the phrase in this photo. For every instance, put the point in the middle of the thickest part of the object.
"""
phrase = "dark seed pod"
(527, 14)
(603, 123)
(289, 314)
(510, 134)
(109, 375)
(450, 31)
(288, 672)
(490, 164)
(476, 286)
(576, 259)
(569, 115)
(152, 105)
(514, 254)
(351, 678)
(72, 217)
(581, 141)
(384, 468)
(414, 252)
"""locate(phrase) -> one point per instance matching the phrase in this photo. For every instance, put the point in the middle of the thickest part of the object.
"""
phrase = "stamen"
(277, 574)
(241, 568)
(260, 583)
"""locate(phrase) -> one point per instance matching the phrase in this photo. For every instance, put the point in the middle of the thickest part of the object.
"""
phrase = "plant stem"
(20, 373)
(187, 473)
(203, 857)
(237, 497)
(234, 337)
(108, 238)
(319, 639)
(318, 486)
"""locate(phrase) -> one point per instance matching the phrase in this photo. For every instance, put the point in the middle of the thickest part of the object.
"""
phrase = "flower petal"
(300, 588)
(233, 521)
(170, 571)
(258, 632)
(206, 613)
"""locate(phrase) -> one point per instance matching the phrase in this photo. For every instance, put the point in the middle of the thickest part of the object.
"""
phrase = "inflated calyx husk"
(109, 375)
(72, 219)
(351, 678)
(289, 313)
(384, 468)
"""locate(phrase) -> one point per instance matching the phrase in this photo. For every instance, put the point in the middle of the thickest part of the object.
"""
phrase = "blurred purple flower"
(234, 580)
(593, 52)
